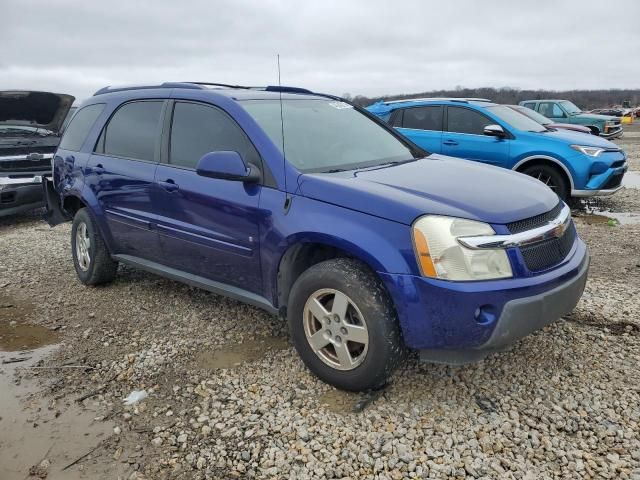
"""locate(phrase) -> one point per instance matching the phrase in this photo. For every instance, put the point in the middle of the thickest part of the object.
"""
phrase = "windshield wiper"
(335, 170)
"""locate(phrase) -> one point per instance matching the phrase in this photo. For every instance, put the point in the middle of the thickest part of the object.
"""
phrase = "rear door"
(422, 125)
(121, 173)
(208, 227)
(464, 137)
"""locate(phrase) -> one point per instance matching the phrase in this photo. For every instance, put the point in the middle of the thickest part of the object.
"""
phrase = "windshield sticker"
(340, 105)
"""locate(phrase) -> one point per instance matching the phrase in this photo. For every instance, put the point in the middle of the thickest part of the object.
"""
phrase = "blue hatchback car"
(570, 163)
(311, 208)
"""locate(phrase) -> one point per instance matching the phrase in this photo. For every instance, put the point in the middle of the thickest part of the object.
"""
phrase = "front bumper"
(21, 194)
(603, 185)
(610, 135)
(459, 322)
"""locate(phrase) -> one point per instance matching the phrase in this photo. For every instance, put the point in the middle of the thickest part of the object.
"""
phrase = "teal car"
(564, 111)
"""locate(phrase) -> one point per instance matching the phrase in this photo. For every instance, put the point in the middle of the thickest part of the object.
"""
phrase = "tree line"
(585, 99)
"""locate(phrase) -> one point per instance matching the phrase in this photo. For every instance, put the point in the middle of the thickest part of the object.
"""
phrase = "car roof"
(234, 92)
(415, 102)
(547, 100)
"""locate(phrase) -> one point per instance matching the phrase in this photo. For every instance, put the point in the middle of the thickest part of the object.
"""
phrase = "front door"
(464, 138)
(121, 173)
(208, 227)
(553, 111)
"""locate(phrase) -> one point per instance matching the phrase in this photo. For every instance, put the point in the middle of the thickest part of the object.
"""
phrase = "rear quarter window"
(76, 132)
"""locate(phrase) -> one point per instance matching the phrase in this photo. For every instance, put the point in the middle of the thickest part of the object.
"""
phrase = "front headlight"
(589, 151)
(440, 255)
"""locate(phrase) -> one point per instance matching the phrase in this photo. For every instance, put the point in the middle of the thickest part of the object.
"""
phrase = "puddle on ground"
(15, 334)
(631, 179)
(235, 354)
(604, 217)
(33, 428)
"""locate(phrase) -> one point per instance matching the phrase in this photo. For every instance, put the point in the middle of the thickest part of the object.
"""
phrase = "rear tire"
(342, 309)
(550, 176)
(91, 259)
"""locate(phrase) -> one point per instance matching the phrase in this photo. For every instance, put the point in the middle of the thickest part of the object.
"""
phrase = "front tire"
(551, 177)
(344, 326)
(91, 258)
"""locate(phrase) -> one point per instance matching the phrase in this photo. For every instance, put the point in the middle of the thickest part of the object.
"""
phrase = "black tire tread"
(102, 268)
(361, 282)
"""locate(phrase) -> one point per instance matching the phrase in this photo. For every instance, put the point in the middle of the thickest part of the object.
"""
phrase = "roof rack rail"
(220, 85)
(201, 85)
(285, 89)
(449, 99)
(124, 88)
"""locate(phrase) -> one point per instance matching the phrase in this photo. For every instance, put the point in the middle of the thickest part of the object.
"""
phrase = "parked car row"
(572, 164)
(361, 230)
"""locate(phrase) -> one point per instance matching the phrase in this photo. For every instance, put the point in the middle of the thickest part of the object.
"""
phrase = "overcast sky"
(369, 47)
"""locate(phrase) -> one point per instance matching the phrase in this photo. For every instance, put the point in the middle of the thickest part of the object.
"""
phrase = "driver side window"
(197, 129)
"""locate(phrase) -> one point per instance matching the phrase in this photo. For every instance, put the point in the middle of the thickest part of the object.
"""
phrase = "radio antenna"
(284, 155)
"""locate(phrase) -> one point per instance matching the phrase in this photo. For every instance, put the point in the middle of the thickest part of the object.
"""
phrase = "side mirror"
(495, 131)
(227, 165)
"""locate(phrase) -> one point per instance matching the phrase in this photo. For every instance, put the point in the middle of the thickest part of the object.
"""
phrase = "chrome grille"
(543, 255)
(536, 221)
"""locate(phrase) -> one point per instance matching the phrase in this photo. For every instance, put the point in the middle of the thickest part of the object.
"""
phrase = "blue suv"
(315, 210)
(570, 163)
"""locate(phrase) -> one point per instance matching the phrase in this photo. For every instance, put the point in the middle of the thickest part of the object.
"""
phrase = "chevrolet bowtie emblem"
(35, 156)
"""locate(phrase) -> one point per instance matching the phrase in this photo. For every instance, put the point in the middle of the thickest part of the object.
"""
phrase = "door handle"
(450, 142)
(98, 169)
(169, 185)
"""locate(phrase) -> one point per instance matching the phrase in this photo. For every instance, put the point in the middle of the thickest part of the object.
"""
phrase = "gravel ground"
(229, 397)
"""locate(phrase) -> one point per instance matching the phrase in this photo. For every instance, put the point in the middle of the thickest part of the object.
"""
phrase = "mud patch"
(604, 217)
(15, 334)
(234, 355)
(337, 401)
(37, 435)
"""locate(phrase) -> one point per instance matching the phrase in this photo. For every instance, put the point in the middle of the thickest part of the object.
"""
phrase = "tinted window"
(199, 129)
(132, 131)
(76, 133)
(531, 105)
(464, 120)
(423, 118)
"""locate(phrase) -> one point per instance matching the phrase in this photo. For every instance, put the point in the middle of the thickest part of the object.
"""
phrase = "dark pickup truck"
(30, 128)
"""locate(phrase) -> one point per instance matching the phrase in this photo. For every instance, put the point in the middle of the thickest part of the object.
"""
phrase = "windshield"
(516, 119)
(326, 135)
(533, 115)
(570, 108)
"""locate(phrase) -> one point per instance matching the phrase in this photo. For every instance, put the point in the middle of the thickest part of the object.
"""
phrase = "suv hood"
(595, 116)
(437, 185)
(35, 109)
(571, 137)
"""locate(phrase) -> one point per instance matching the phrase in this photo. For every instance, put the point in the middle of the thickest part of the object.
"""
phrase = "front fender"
(385, 246)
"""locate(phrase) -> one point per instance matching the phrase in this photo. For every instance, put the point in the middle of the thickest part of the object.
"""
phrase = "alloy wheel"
(83, 245)
(335, 329)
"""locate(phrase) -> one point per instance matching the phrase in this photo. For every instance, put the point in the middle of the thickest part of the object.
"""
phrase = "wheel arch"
(303, 253)
(545, 159)
(595, 130)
